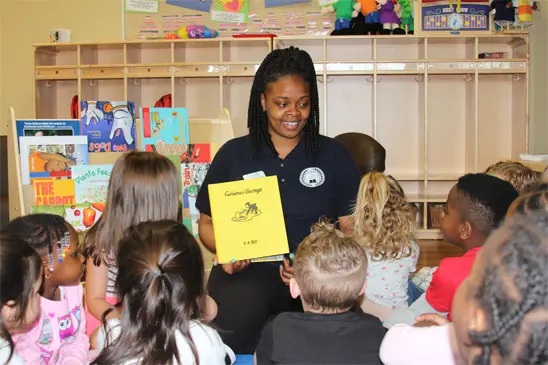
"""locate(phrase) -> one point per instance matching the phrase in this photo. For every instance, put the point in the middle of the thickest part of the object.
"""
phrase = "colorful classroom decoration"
(230, 11)
(165, 127)
(109, 125)
(195, 163)
(91, 182)
(199, 5)
(53, 192)
(248, 220)
(467, 17)
(51, 157)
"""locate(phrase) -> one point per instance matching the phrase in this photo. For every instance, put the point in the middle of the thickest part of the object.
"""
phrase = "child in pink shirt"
(58, 335)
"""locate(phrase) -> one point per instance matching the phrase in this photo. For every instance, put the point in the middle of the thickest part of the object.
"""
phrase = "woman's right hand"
(232, 267)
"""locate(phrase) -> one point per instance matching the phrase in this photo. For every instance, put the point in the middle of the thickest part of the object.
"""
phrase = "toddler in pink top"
(58, 334)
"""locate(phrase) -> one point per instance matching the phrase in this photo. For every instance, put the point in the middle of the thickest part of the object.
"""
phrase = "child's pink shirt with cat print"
(59, 334)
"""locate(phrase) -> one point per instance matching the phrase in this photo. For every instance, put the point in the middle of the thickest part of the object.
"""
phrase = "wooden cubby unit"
(439, 110)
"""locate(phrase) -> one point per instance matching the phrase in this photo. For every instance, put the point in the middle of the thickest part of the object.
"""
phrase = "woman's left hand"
(286, 271)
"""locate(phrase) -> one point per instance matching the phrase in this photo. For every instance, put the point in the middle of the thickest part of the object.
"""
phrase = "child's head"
(143, 186)
(20, 278)
(475, 206)
(519, 175)
(56, 242)
(500, 311)
(160, 277)
(383, 221)
(544, 176)
(330, 271)
(532, 199)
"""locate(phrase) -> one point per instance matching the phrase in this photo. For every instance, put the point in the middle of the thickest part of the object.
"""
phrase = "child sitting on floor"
(384, 226)
(330, 275)
(500, 311)
(161, 286)
(59, 334)
(517, 174)
(475, 206)
(20, 281)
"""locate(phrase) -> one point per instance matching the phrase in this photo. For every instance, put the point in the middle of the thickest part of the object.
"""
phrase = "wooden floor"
(432, 251)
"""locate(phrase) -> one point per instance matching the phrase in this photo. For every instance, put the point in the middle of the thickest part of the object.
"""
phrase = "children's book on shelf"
(47, 127)
(91, 182)
(51, 157)
(248, 221)
(109, 125)
(53, 192)
(195, 162)
(163, 128)
(80, 216)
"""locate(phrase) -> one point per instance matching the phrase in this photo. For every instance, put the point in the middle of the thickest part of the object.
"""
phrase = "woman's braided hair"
(279, 63)
(514, 292)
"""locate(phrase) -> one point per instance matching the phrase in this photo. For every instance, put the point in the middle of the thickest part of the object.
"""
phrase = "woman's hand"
(286, 271)
(232, 267)
(435, 319)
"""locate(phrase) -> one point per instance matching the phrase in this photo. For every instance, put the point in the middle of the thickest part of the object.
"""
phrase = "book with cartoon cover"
(109, 125)
(47, 127)
(248, 220)
(91, 182)
(80, 216)
(166, 125)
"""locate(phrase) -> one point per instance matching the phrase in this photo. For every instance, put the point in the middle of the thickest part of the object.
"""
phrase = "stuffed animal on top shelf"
(343, 13)
(406, 16)
(504, 12)
(388, 10)
(368, 8)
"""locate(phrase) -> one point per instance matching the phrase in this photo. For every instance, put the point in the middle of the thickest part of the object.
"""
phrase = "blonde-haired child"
(384, 225)
(517, 174)
(143, 186)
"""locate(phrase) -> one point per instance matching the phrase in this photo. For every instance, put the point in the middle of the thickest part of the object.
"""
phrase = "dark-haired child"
(20, 281)
(161, 287)
(500, 312)
(475, 206)
(317, 178)
(330, 275)
(58, 336)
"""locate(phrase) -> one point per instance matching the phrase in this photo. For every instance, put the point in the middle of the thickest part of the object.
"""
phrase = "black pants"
(246, 301)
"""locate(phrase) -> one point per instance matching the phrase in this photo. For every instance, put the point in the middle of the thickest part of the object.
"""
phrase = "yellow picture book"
(53, 192)
(248, 219)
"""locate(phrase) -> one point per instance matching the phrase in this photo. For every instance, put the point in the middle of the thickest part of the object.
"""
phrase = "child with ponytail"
(161, 287)
(384, 226)
(20, 281)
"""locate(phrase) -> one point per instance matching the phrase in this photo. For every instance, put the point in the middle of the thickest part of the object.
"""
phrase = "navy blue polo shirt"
(311, 187)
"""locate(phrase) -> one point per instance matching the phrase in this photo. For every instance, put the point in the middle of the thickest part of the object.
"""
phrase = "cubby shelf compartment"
(429, 99)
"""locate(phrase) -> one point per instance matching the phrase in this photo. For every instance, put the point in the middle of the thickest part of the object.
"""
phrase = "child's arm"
(409, 315)
(210, 310)
(96, 289)
(76, 352)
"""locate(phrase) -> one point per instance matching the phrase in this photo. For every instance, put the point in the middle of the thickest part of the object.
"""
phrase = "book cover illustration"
(109, 125)
(53, 192)
(195, 163)
(91, 182)
(248, 220)
(51, 157)
(47, 127)
(80, 216)
(169, 126)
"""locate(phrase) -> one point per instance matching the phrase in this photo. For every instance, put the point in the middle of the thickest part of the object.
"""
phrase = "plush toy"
(406, 16)
(343, 13)
(388, 10)
(196, 31)
(504, 12)
(368, 8)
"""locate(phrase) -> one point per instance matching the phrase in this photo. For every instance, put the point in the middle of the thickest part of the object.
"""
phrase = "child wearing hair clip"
(58, 335)
(384, 225)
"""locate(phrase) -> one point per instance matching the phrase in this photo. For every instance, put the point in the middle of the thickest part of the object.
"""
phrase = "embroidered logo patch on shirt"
(312, 177)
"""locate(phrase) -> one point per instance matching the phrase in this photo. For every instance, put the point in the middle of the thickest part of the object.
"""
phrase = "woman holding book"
(316, 175)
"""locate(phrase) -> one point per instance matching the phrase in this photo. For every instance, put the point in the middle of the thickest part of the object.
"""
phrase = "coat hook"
(369, 79)
(419, 78)
(516, 77)
(182, 81)
(467, 77)
(320, 79)
(229, 80)
(330, 79)
(92, 83)
(48, 83)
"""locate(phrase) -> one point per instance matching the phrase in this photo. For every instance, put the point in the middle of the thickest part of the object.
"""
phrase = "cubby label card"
(109, 125)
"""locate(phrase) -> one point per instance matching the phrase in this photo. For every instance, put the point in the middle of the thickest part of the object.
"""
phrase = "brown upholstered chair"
(367, 153)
